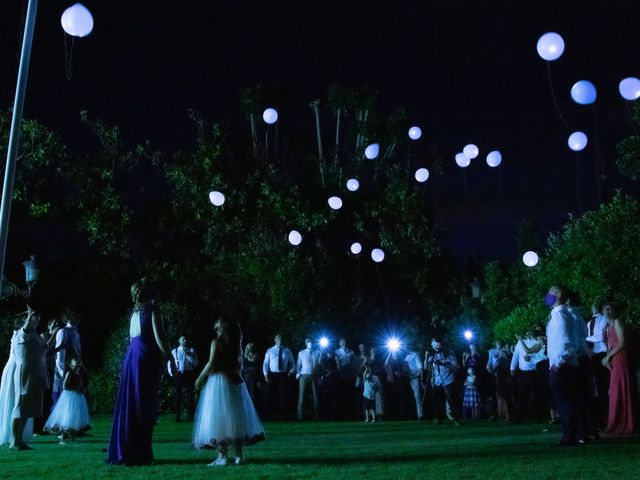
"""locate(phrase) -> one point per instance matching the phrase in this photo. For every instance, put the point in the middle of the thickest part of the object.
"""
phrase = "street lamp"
(73, 15)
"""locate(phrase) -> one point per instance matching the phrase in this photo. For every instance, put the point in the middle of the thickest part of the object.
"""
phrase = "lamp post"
(16, 127)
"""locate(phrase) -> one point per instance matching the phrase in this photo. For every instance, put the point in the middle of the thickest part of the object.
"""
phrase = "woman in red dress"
(620, 403)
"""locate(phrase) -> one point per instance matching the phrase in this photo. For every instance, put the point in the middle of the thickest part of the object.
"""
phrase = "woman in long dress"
(30, 378)
(225, 415)
(8, 399)
(620, 401)
(137, 400)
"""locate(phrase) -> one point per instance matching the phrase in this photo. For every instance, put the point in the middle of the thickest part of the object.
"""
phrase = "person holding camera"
(441, 363)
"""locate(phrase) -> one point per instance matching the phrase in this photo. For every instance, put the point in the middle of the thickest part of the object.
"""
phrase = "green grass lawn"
(346, 451)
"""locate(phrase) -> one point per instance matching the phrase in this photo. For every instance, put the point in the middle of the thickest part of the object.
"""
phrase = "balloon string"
(68, 53)
(553, 96)
(599, 161)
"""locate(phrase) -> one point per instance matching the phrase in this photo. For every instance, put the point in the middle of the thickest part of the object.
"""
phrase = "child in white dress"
(71, 413)
(225, 416)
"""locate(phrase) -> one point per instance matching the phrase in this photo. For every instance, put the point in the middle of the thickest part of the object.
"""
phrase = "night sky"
(466, 71)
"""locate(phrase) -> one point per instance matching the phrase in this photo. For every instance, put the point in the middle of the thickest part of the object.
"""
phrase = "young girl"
(225, 415)
(471, 402)
(369, 395)
(71, 413)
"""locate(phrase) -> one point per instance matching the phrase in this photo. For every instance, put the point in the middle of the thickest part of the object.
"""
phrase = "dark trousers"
(346, 402)
(442, 394)
(562, 384)
(529, 394)
(601, 397)
(184, 387)
(276, 397)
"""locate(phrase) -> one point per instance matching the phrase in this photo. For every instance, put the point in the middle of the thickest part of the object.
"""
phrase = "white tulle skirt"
(7, 402)
(225, 415)
(70, 413)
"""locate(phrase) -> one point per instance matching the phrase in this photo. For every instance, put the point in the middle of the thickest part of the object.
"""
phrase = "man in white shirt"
(413, 365)
(67, 346)
(184, 377)
(598, 348)
(305, 367)
(523, 370)
(562, 338)
(346, 385)
(277, 367)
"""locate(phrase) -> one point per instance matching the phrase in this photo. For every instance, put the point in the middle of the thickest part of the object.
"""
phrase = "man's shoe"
(240, 460)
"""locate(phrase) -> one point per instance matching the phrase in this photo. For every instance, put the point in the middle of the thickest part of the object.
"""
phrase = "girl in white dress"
(71, 413)
(225, 415)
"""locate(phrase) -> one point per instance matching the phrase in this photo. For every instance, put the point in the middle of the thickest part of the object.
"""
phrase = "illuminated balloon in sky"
(295, 238)
(577, 141)
(353, 184)
(583, 92)
(372, 151)
(377, 255)
(422, 174)
(270, 116)
(471, 151)
(335, 203)
(356, 248)
(530, 259)
(550, 46)
(77, 21)
(629, 88)
(415, 133)
(494, 159)
(462, 160)
(216, 198)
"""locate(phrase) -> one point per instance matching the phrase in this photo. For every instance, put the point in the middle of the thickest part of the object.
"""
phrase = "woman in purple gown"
(136, 405)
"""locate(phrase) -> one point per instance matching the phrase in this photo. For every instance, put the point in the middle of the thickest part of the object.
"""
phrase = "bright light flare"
(394, 344)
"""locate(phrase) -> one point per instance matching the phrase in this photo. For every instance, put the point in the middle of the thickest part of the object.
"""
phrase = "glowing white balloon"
(471, 151)
(353, 184)
(577, 141)
(377, 255)
(335, 203)
(372, 151)
(415, 133)
(270, 116)
(583, 92)
(550, 46)
(630, 88)
(462, 160)
(356, 248)
(216, 198)
(295, 238)
(77, 21)
(494, 158)
(530, 259)
(422, 174)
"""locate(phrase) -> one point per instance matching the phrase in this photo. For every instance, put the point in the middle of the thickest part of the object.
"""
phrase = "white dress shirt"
(414, 364)
(270, 364)
(185, 358)
(307, 360)
(597, 324)
(561, 338)
(344, 356)
(518, 361)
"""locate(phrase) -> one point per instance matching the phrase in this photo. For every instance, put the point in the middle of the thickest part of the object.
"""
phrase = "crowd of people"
(574, 371)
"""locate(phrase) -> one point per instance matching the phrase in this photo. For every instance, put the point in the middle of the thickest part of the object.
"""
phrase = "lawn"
(348, 451)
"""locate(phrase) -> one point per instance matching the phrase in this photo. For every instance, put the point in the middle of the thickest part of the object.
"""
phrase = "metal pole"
(16, 127)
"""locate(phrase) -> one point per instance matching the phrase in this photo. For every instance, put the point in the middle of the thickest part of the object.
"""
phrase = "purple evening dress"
(137, 402)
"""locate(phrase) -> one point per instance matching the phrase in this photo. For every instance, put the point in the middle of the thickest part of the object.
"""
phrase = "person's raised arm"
(207, 368)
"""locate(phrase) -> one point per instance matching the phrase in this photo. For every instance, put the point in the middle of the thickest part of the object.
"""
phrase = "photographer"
(441, 363)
